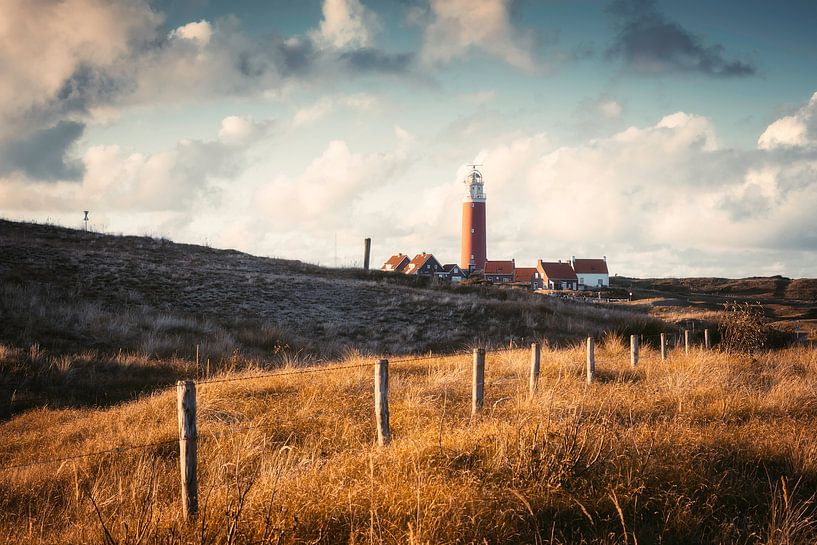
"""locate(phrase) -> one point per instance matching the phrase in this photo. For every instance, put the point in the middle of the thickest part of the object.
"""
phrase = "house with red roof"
(591, 273)
(396, 263)
(499, 271)
(425, 265)
(529, 276)
(557, 275)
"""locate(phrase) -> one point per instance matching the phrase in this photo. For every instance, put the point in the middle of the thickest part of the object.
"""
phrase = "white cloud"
(242, 131)
(327, 191)
(458, 27)
(798, 130)
(199, 32)
(346, 24)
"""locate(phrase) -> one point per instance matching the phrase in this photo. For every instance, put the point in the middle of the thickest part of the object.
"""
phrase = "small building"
(395, 263)
(591, 273)
(454, 272)
(425, 265)
(529, 276)
(557, 275)
(499, 271)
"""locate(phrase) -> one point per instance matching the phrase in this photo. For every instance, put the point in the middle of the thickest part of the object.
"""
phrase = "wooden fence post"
(634, 351)
(186, 410)
(478, 381)
(367, 250)
(686, 342)
(663, 347)
(591, 361)
(381, 402)
(535, 355)
(707, 342)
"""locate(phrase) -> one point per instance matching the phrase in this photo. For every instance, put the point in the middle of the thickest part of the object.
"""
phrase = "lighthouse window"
(472, 205)
(472, 231)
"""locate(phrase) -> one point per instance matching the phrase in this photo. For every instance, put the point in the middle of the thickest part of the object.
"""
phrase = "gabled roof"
(417, 263)
(498, 267)
(590, 266)
(452, 267)
(395, 263)
(556, 271)
(524, 274)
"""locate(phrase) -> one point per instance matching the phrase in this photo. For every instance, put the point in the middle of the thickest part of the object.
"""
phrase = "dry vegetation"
(705, 448)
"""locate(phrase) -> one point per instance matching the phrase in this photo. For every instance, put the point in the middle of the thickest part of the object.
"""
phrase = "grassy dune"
(705, 448)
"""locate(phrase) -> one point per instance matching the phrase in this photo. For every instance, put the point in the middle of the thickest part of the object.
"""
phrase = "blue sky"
(677, 138)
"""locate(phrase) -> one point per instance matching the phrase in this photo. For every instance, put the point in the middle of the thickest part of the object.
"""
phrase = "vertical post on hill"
(186, 410)
(381, 402)
(663, 347)
(707, 342)
(634, 351)
(535, 356)
(478, 381)
(367, 250)
(197, 362)
(591, 361)
(686, 341)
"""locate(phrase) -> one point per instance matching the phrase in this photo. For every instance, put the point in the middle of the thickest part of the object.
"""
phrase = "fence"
(186, 394)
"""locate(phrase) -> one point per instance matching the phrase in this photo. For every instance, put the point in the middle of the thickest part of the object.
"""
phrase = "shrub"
(744, 328)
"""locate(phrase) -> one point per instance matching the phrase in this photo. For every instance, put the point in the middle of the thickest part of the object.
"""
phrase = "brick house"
(395, 263)
(499, 271)
(454, 272)
(529, 276)
(557, 275)
(425, 265)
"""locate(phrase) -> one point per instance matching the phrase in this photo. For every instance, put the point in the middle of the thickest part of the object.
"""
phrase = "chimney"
(605, 259)
(573, 261)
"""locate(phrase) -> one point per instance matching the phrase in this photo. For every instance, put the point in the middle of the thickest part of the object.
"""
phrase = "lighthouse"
(474, 253)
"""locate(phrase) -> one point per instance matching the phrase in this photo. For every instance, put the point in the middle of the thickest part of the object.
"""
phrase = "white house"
(591, 273)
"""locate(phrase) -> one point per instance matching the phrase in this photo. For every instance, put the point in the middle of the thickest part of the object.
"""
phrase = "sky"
(675, 138)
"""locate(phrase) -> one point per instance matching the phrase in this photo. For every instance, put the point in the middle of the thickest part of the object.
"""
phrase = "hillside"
(705, 448)
(78, 307)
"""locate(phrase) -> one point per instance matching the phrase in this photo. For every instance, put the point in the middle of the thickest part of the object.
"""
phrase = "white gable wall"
(591, 280)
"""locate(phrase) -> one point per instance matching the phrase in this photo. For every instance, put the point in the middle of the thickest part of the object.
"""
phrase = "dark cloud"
(44, 155)
(373, 60)
(649, 43)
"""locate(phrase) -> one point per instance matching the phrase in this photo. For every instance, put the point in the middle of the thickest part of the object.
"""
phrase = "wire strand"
(121, 448)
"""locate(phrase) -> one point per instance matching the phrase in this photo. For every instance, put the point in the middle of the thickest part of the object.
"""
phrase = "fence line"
(187, 414)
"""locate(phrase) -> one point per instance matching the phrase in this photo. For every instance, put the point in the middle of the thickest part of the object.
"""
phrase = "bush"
(744, 328)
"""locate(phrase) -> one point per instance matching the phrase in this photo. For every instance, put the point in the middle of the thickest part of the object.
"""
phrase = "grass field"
(704, 448)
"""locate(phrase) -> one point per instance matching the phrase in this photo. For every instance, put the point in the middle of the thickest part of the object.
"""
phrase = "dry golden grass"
(705, 448)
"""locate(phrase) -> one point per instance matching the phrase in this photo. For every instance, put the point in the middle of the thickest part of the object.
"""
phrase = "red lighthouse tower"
(474, 253)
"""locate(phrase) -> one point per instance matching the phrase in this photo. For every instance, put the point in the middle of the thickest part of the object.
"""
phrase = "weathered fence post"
(591, 361)
(535, 355)
(367, 250)
(381, 402)
(478, 381)
(707, 342)
(686, 341)
(186, 410)
(663, 347)
(634, 351)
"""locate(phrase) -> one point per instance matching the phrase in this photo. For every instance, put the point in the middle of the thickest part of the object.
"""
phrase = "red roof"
(524, 274)
(556, 271)
(590, 266)
(395, 263)
(417, 263)
(498, 267)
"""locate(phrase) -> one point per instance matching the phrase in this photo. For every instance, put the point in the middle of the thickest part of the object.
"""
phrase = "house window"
(601, 282)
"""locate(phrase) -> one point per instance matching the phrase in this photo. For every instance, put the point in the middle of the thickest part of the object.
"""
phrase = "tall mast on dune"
(474, 251)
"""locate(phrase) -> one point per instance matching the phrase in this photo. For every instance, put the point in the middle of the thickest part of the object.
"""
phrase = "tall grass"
(705, 448)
